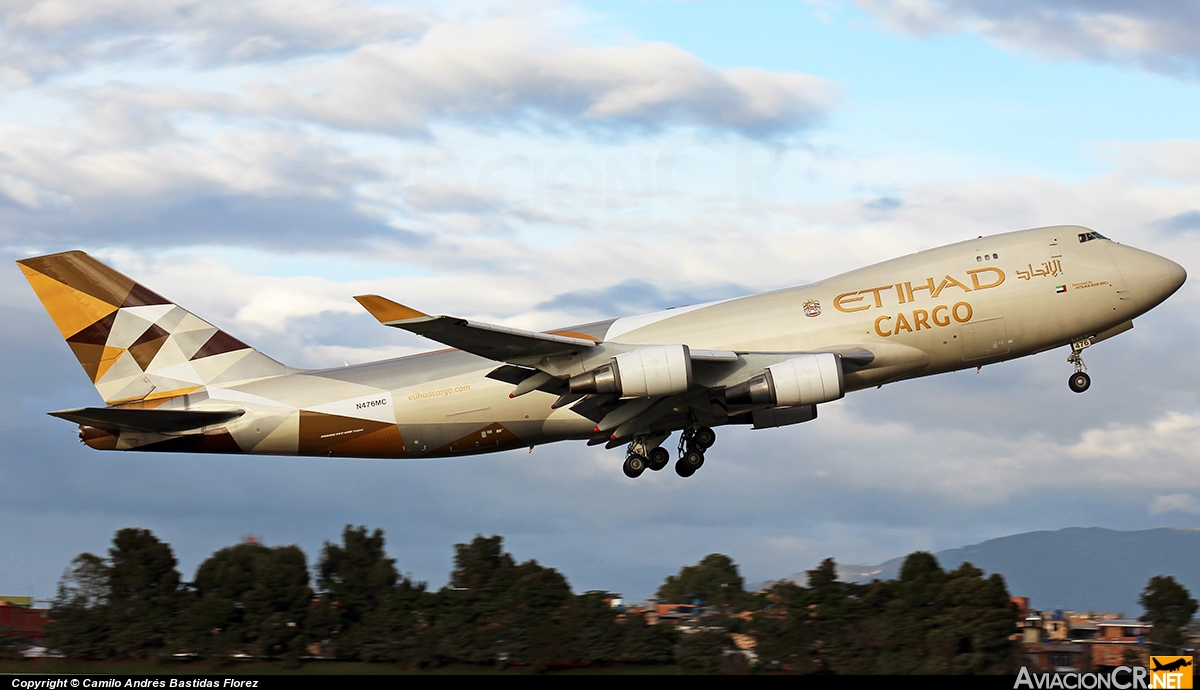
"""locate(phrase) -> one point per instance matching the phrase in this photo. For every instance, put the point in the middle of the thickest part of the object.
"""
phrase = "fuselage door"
(472, 430)
(986, 338)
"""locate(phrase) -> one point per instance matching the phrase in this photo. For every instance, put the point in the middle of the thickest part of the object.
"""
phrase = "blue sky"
(548, 163)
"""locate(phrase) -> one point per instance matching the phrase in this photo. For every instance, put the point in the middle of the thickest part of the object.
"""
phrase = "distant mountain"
(1080, 568)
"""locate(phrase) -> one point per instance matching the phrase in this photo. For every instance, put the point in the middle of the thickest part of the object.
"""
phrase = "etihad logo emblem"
(1052, 267)
(812, 308)
(980, 279)
(1171, 671)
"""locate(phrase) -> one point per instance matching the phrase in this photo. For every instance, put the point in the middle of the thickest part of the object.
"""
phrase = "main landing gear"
(692, 444)
(1079, 381)
(644, 452)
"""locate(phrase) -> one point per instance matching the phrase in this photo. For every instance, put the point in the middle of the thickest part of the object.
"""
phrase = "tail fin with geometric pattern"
(134, 344)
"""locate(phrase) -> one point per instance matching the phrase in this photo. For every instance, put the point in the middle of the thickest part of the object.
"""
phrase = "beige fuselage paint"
(964, 305)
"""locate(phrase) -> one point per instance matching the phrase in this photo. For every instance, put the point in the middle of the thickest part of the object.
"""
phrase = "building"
(1121, 641)
(1067, 641)
(22, 621)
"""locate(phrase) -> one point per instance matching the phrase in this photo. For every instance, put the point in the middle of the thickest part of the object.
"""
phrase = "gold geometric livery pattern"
(134, 344)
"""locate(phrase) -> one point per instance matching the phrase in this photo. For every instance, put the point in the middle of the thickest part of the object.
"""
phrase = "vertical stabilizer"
(134, 344)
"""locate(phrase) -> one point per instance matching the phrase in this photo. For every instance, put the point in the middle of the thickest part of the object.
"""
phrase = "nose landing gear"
(1079, 381)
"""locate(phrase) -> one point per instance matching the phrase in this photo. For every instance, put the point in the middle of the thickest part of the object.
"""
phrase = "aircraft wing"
(153, 420)
(528, 366)
(499, 343)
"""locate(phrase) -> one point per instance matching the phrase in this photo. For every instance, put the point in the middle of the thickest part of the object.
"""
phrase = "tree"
(127, 605)
(495, 610)
(703, 650)
(80, 610)
(784, 629)
(469, 606)
(928, 621)
(144, 595)
(912, 609)
(1170, 608)
(250, 599)
(595, 634)
(715, 580)
(974, 623)
(846, 636)
(356, 579)
(642, 643)
(399, 631)
(939, 622)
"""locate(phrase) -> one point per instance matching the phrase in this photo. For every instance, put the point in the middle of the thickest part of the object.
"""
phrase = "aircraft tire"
(692, 460)
(659, 457)
(682, 469)
(634, 466)
(705, 438)
(1079, 382)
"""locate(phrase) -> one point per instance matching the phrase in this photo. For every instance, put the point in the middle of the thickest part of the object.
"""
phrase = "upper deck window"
(1089, 236)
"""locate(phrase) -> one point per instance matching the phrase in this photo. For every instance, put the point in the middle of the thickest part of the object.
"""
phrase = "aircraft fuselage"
(964, 305)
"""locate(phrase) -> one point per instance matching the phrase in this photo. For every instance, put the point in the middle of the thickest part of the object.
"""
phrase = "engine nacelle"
(643, 373)
(802, 380)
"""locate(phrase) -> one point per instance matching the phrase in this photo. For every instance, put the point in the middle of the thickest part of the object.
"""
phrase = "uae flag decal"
(1060, 289)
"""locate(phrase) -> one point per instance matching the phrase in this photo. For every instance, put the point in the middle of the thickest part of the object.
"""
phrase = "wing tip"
(387, 311)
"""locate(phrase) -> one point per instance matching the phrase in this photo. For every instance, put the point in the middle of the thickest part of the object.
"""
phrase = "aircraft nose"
(1177, 275)
(1151, 278)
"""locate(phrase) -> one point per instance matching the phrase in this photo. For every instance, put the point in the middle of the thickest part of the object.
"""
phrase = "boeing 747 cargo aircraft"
(171, 381)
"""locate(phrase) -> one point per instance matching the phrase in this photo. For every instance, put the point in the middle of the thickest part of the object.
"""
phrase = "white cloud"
(212, 31)
(1174, 160)
(115, 156)
(1154, 36)
(972, 470)
(402, 75)
(1171, 503)
(512, 70)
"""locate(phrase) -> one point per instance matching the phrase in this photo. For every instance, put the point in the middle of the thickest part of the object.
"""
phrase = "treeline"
(254, 601)
(929, 621)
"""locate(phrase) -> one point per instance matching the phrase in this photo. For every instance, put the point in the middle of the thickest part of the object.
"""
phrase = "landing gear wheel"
(659, 457)
(689, 463)
(705, 437)
(1079, 382)
(634, 466)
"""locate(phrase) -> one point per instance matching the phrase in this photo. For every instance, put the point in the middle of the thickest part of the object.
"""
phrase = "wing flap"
(713, 355)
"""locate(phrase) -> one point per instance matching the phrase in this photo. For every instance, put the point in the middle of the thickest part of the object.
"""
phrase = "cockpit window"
(1089, 236)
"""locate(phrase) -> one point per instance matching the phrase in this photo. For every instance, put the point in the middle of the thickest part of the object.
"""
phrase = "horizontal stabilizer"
(153, 420)
(499, 343)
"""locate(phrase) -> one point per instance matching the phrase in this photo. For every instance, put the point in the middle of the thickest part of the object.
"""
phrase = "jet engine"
(643, 373)
(802, 380)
